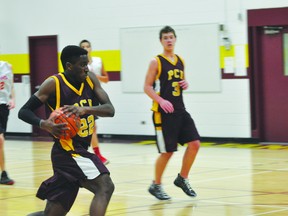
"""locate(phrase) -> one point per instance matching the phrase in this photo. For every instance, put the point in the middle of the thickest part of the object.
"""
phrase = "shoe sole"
(195, 195)
(8, 183)
(158, 197)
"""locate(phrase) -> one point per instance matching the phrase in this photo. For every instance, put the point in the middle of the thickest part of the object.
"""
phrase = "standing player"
(78, 91)
(7, 102)
(164, 83)
(96, 66)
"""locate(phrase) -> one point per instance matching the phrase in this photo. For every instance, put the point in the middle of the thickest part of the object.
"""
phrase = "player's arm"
(105, 109)
(26, 113)
(148, 87)
(183, 83)
(11, 103)
(104, 75)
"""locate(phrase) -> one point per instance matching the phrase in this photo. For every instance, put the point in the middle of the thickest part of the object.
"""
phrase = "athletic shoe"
(157, 191)
(5, 179)
(104, 160)
(184, 185)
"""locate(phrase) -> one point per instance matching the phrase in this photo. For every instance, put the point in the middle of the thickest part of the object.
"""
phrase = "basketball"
(73, 123)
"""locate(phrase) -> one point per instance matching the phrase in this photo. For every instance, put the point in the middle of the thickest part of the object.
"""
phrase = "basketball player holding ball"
(78, 92)
(73, 123)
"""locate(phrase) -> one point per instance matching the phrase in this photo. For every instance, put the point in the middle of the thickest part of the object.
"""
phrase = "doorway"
(43, 58)
(269, 82)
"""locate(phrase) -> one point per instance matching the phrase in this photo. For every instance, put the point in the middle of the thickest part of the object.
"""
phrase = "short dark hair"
(84, 41)
(166, 29)
(71, 53)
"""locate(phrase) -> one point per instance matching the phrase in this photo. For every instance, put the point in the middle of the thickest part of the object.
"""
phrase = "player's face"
(168, 41)
(80, 68)
(86, 46)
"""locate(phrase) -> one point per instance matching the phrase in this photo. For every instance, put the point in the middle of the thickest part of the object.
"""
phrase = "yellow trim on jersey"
(57, 92)
(157, 118)
(155, 105)
(90, 83)
(67, 145)
(79, 92)
(183, 62)
(173, 63)
(159, 68)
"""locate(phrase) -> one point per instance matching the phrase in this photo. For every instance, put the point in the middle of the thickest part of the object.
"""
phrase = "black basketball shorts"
(174, 128)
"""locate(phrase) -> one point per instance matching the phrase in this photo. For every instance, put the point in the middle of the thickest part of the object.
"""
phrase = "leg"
(4, 113)
(4, 179)
(2, 140)
(187, 162)
(156, 188)
(160, 166)
(51, 209)
(189, 157)
(54, 209)
(95, 146)
(103, 188)
(94, 140)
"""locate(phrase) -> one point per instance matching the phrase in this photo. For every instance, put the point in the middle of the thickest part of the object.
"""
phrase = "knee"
(2, 140)
(54, 209)
(110, 187)
(194, 145)
(167, 155)
(104, 185)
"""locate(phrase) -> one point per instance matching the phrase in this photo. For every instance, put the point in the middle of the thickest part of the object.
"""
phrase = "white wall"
(223, 114)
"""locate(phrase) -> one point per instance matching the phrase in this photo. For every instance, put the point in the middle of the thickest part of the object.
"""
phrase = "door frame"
(33, 42)
(257, 19)
(33, 71)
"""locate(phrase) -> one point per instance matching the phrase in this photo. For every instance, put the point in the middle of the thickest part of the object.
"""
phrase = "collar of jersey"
(79, 92)
(173, 63)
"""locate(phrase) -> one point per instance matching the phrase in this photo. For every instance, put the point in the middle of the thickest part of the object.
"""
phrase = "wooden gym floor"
(230, 179)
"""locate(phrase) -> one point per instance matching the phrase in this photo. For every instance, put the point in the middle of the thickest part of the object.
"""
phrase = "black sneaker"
(184, 185)
(157, 191)
(5, 179)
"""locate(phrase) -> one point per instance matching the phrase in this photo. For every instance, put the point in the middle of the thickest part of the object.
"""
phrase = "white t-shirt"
(95, 66)
(6, 82)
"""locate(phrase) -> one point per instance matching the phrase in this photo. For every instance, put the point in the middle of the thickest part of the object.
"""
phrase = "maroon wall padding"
(114, 75)
(232, 76)
(266, 17)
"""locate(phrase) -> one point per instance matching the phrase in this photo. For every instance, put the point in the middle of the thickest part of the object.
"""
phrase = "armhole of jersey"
(183, 62)
(90, 83)
(57, 92)
(159, 68)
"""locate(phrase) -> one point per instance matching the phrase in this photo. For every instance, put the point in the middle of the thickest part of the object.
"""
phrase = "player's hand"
(51, 127)
(71, 109)
(167, 106)
(11, 104)
(184, 84)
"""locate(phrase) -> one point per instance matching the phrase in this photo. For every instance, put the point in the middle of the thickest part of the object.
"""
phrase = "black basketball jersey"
(67, 94)
(167, 82)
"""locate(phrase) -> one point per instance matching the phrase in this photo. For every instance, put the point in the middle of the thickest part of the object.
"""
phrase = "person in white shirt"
(7, 102)
(96, 66)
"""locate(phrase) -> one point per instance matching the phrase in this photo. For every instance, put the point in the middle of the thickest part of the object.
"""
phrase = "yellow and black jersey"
(67, 94)
(167, 82)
